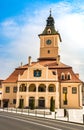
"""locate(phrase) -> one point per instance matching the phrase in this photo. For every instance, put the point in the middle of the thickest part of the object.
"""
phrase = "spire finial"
(50, 12)
(21, 64)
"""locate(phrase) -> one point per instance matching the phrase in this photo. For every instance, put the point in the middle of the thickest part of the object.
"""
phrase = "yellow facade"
(73, 99)
(8, 97)
(54, 47)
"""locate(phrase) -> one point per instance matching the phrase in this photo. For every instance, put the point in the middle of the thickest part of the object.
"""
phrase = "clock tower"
(49, 41)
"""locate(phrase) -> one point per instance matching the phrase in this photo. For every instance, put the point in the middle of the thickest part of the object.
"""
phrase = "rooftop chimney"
(29, 60)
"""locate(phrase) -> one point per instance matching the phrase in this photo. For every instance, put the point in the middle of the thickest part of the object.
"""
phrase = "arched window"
(51, 88)
(62, 76)
(49, 31)
(32, 88)
(42, 88)
(68, 76)
(23, 88)
(20, 89)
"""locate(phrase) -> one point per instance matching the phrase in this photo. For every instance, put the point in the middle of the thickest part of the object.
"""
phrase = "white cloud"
(10, 28)
(25, 41)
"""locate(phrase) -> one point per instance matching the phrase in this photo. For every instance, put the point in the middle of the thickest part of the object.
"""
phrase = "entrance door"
(41, 102)
(31, 102)
(5, 103)
(21, 103)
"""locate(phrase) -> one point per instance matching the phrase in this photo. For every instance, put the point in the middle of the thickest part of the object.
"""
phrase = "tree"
(52, 104)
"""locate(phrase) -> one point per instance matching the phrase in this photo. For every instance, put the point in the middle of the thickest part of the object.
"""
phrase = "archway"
(42, 88)
(23, 88)
(32, 88)
(51, 88)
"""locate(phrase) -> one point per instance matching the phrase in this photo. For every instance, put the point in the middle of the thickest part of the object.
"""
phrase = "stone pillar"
(26, 102)
(46, 98)
(57, 95)
(27, 88)
(17, 95)
(36, 97)
(17, 102)
(80, 95)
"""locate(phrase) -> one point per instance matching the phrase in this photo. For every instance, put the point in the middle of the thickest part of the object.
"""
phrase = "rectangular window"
(14, 101)
(65, 102)
(7, 89)
(64, 89)
(74, 90)
(15, 89)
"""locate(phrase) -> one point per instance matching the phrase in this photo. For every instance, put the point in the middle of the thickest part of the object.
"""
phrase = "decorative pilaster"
(46, 100)
(57, 95)
(36, 97)
(17, 97)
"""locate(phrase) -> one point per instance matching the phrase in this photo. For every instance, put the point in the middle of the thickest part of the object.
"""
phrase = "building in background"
(83, 94)
(0, 91)
(47, 77)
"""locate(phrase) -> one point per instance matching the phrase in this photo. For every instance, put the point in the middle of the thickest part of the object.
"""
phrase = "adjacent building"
(47, 77)
(0, 91)
(83, 94)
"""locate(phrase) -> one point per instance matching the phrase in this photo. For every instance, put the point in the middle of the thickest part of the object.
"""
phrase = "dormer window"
(62, 76)
(68, 76)
(37, 73)
(49, 31)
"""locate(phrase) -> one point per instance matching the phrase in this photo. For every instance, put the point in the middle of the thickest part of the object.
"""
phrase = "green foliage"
(52, 105)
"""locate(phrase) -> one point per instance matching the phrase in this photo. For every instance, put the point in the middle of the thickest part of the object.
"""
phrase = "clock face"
(48, 42)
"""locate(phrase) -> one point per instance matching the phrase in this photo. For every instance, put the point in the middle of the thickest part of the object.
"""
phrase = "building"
(83, 94)
(47, 77)
(0, 91)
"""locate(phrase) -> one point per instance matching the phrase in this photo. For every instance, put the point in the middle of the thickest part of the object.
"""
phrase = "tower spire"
(49, 41)
(50, 26)
(50, 12)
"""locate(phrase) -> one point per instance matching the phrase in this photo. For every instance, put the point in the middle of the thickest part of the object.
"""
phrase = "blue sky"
(22, 20)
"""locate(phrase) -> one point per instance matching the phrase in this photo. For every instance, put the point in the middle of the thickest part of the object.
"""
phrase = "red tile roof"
(61, 68)
(14, 76)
